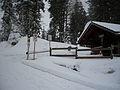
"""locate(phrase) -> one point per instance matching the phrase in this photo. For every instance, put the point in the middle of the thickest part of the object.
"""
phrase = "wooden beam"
(64, 55)
(91, 57)
(50, 52)
(37, 52)
(94, 49)
(63, 48)
(116, 55)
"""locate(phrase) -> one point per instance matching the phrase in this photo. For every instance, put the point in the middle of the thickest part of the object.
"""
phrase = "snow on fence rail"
(79, 50)
(38, 52)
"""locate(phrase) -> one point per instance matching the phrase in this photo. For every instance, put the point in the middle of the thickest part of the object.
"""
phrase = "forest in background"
(68, 17)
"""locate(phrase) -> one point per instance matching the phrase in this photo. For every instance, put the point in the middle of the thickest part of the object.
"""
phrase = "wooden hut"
(101, 34)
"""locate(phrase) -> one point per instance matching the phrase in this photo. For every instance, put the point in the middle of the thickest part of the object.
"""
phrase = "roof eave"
(97, 25)
(83, 33)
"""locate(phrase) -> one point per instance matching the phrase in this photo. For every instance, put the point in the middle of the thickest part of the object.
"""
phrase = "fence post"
(34, 50)
(28, 46)
(50, 51)
(76, 53)
(111, 49)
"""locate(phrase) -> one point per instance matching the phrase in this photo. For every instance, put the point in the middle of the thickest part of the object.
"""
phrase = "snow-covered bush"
(76, 67)
(14, 38)
(110, 71)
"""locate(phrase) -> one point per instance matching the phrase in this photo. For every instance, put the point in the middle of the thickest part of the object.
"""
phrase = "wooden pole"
(49, 44)
(34, 50)
(76, 53)
(28, 46)
(111, 48)
(28, 34)
(50, 51)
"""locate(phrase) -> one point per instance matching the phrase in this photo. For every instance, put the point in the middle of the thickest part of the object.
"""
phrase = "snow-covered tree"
(6, 20)
(29, 16)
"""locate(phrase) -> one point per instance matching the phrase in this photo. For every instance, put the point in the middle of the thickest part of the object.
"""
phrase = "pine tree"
(29, 16)
(7, 19)
(24, 16)
(99, 10)
(78, 20)
(57, 13)
(36, 26)
(68, 9)
(104, 10)
(115, 11)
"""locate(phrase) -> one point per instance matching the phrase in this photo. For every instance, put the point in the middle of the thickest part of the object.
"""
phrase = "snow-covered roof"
(86, 26)
(110, 26)
(114, 27)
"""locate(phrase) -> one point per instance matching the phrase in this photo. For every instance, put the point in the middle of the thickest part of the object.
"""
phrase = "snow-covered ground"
(54, 73)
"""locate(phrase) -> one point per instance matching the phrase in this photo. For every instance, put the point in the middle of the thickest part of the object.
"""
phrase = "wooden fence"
(64, 55)
(94, 49)
(79, 50)
(118, 47)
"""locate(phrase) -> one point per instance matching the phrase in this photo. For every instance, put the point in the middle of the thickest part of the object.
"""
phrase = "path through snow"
(66, 74)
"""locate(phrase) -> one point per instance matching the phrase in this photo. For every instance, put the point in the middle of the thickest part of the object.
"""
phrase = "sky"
(85, 5)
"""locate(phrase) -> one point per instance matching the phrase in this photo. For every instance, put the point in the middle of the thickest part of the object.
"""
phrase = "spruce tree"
(78, 20)
(57, 13)
(7, 7)
(104, 10)
(29, 16)
(36, 26)
(115, 12)
(99, 10)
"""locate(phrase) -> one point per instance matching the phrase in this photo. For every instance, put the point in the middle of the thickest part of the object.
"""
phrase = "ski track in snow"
(14, 75)
(68, 77)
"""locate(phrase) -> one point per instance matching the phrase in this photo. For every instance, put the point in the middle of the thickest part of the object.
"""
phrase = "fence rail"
(91, 57)
(94, 49)
(79, 50)
(37, 52)
(63, 48)
(62, 55)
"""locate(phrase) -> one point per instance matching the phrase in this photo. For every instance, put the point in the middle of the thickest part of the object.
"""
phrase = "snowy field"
(54, 73)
